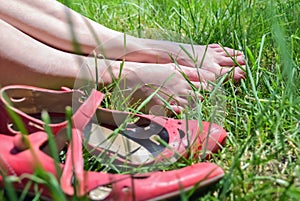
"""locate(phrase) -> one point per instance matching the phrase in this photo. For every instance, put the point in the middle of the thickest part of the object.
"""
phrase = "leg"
(31, 17)
(24, 60)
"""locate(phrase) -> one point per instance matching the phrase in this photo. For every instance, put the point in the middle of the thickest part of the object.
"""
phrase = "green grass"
(262, 113)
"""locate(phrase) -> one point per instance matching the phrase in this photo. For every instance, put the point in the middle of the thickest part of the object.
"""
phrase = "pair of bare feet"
(37, 49)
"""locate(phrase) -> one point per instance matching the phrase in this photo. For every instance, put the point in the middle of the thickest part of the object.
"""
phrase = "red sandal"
(148, 139)
(19, 157)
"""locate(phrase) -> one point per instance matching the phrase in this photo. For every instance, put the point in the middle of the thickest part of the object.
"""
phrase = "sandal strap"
(87, 110)
(73, 173)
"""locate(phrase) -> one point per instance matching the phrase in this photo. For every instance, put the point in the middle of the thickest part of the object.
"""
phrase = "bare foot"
(213, 58)
(140, 80)
(217, 59)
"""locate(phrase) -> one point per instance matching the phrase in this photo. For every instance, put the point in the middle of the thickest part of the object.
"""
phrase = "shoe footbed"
(128, 146)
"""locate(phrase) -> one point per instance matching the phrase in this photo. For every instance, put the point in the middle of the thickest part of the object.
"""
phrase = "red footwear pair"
(144, 141)
(180, 136)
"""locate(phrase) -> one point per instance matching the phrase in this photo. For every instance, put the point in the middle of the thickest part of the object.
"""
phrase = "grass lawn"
(262, 113)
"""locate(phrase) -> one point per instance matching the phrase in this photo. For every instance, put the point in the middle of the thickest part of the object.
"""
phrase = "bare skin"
(30, 62)
(43, 55)
(40, 21)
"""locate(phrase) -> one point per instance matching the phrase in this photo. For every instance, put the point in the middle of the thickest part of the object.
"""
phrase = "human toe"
(229, 61)
(240, 72)
(240, 69)
(237, 73)
(199, 74)
(226, 51)
(232, 52)
(239, 76)
(214, 45)
(202, 86)
(175, 108)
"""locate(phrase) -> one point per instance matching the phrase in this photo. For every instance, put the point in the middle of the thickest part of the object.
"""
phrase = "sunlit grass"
(262, 113)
